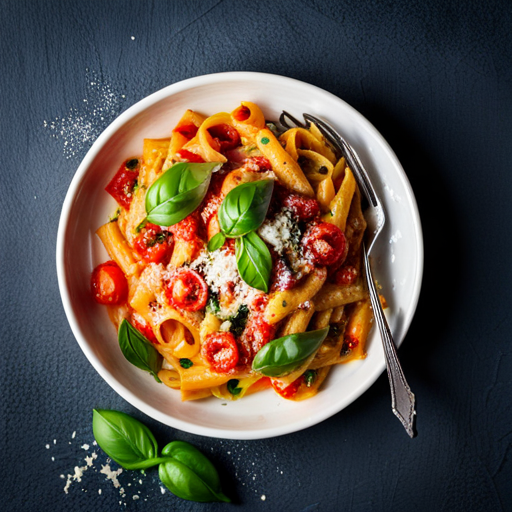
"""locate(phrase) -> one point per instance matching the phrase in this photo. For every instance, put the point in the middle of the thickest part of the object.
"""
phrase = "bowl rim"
(79, 176)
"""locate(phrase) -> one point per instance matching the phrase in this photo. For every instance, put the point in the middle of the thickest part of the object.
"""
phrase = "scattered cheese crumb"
(112, 475)
(85, 446)
(73, 435)
(263, 497)
(47, 446)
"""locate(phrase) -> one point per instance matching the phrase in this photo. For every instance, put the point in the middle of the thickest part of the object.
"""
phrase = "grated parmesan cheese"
(220, 272)
(281, 231)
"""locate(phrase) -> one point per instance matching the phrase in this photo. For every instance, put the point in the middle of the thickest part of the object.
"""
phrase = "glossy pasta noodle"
(235, 256)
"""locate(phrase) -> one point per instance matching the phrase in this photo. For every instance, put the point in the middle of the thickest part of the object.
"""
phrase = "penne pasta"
(230, 278)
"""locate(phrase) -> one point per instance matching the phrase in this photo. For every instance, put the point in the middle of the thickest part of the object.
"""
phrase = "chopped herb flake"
(310, 377)
(186, 363)
(233, 387)
(265, 140)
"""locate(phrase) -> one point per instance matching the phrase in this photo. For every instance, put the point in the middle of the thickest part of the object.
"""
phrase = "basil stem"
(138, 350)
(245, 207)
(178, 192)
(216, 242)
(253, 260)
(189, 474)
(284, 355)
(125, 440)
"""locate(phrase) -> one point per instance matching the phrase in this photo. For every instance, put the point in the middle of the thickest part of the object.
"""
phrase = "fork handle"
(402, 398)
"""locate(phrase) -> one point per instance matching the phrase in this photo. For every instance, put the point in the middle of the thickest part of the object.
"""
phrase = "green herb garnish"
(138, 350)
(239, 321)
(233, 387)
(310, 377)
(284, 355)
(186, 363)
(178, 192)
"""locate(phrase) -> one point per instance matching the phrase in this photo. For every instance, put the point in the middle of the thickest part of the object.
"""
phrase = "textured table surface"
(435, 79)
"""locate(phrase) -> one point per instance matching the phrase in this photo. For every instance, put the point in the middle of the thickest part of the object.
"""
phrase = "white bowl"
(398, 260)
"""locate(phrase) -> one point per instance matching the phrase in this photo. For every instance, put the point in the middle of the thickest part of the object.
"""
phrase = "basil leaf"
(253, 260)
(178, 192)
(216, 242)
(283, 355)
(244, 208)
(125, 440)
(189, 474)
(138, 350)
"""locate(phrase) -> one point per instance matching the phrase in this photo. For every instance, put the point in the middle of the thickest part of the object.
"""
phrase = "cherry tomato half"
(184, 154)
(224, 136)
(153, 244)
(108, 284)
(325, 244)
(187, 290)
(220, 351)
(257, 334)
(122, 184)
(346, 275)
(289, 391)
(304, 208)
(144, 328)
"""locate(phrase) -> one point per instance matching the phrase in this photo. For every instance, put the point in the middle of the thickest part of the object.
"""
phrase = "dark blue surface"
(436, 79)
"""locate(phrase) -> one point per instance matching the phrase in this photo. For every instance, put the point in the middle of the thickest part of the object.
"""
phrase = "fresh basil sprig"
(253, 260)
(245, 207)
(189, 474)
(125, 440)
(178, 192)
(183, 469)
(138, 350)
(284, 355)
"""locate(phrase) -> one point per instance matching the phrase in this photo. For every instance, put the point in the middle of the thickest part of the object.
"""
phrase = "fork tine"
(352, 158)
(295, 121)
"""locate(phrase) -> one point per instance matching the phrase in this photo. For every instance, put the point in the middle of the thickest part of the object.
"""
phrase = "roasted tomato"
(346, 275)
(282, 277)
(187, 130)
(220, 351)
(325, 244)
(257, 334)
(144, 328)
(123, 183)
(187, 290)
(108, 284)
(153, 244)
(187, 229)
(304, 208)
(257, 164)
(184, 154)
(287, 391)
(224, 136)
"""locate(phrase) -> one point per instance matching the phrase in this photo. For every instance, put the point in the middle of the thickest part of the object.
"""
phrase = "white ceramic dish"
(398, 261)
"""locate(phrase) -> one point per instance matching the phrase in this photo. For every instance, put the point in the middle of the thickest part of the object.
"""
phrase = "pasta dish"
(235, 258)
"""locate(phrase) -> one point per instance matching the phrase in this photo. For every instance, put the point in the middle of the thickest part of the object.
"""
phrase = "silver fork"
(402, 398)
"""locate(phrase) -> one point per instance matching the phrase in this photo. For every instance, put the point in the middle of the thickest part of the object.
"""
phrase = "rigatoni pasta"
(235, 258)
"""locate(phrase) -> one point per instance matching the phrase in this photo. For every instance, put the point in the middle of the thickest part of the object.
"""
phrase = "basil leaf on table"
(188, 474)
(178, 192)
(125, 440)
(253, 260)
(138, 350)
(245, 207)
(283, 355)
